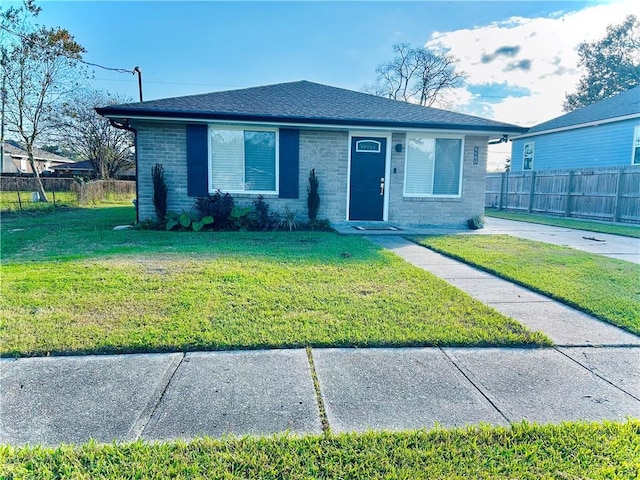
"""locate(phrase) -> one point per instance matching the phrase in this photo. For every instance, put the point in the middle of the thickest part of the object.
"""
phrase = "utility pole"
(139, 72)
(3, 94)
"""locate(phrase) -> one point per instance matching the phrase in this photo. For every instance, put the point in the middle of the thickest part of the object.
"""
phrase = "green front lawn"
(568, 451)
(604, 287)
(73, 285)
(615, 229)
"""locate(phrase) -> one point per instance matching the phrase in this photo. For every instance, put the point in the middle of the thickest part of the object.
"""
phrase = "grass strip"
(601, 286)
(524, 451)
(615, 229)
(72, 285)
(316, 386)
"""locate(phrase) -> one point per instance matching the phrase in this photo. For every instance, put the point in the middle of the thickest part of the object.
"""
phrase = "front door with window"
(367, 184)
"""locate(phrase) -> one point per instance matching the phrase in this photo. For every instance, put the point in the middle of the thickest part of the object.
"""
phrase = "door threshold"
(381, 228)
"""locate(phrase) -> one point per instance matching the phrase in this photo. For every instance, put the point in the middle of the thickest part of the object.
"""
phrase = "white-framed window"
(433, 166)
(243, 160)
(635, 156)
(528, 152)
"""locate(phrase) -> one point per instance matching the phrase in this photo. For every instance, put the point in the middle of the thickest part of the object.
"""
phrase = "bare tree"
(90, 136)
(416, 75)
(39, 67)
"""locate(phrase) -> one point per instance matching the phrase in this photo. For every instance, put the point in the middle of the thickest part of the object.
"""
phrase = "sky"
(520, 56)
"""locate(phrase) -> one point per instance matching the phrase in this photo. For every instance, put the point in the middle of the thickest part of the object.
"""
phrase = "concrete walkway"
(614, 246)
(592, 374)
(564, 325)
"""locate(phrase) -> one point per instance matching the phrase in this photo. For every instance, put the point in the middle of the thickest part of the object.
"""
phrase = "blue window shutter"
(289, 162)
(197, 161)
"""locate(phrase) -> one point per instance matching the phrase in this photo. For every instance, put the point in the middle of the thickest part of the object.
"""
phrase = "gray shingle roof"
(18, 150)
(308, 103)
(625, 103)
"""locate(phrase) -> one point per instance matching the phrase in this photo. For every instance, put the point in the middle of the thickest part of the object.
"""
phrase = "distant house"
(83, 168)
(16, 159)
(378, 160)
(604, 134)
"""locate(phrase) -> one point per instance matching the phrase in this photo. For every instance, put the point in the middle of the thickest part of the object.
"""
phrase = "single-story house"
(83, 168)
(16, 159)
(603, 134)
(377, 159)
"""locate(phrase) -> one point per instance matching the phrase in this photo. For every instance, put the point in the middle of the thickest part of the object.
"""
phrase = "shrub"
(288, 221)
(320, 225)
(476, 223)
(313, 199)
(240, 217)
(263, 219)
(187, 221)
(159, 192)
(219, 207)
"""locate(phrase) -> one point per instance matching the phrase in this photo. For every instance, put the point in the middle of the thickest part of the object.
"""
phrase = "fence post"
(616, 204)
(501, 190)
(567, 212)
(18, 185)
(532, 192)
(506, 192)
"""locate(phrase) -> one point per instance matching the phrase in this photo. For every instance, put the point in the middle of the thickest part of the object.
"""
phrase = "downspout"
(125, 126)
(504, 139)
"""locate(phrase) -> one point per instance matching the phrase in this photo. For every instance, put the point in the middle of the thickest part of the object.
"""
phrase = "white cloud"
(546, 45)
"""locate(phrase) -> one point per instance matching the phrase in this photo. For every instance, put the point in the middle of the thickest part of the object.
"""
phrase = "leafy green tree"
(416, 75)
(612, 65)
(39, 67)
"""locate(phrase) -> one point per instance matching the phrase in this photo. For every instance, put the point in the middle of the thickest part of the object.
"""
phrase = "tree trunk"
(41, 192)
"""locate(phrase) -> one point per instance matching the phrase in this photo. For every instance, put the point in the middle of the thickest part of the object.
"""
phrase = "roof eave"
(593, 123)
(132, 114)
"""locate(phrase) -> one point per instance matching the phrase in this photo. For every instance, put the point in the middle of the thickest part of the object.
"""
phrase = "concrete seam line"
(326, 428)
(469, 378)
(596, 374)
(150, 409)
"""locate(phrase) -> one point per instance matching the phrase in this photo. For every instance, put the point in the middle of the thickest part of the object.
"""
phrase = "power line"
(47, 47)
(175, 83)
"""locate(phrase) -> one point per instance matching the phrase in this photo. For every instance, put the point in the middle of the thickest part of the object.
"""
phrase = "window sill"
(432, 199)
(249, 194)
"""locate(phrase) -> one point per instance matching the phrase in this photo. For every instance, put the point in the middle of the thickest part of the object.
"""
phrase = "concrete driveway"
(614, 246)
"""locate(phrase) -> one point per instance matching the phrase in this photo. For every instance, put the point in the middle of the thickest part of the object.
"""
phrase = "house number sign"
(369, 146)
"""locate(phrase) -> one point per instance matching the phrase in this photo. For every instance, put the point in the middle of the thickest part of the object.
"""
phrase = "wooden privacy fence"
(609, 194)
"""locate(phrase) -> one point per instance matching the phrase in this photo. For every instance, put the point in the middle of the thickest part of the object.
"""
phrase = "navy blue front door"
(368, 156)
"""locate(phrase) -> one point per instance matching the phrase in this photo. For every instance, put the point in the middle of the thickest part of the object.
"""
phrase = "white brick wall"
(327, 152)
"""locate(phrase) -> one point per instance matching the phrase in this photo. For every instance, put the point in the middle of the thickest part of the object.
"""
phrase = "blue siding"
(601, 146)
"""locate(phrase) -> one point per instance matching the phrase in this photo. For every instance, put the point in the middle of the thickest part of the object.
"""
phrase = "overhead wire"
(80, 60)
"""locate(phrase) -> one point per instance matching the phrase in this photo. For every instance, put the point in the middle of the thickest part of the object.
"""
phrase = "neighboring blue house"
(604, 134)
(378, 160)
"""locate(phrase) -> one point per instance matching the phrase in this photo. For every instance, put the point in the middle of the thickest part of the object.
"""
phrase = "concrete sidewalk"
(592, 374)
(167, 396)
